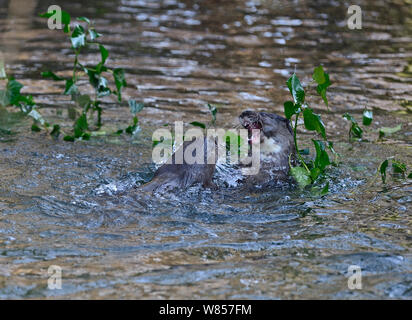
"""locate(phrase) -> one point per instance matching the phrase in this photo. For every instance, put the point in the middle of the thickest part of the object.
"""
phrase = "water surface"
(74, 204)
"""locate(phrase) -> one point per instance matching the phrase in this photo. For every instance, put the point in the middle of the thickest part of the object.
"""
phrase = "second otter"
(276, 146)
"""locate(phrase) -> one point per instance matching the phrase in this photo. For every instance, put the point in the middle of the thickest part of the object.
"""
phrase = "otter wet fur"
(172, 175)
(276, 147)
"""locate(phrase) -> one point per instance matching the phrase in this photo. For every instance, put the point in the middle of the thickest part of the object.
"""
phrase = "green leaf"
(322, 79)
(49, 74)
(355, 130)
(78, 37)
(385, 131)
(104, 53)
(69, 138)
(83, 101)
(134, 106)
(213, 111)
(66, 18)
(36, 116)
(325, 189)
(94, 34)
(349, 117)
(56, 131)
(93, 77)
(319, 75)
(290, 109)
(102, 87)
(301, 176)
(133, 128)
(313, 122)
(84, 19)
(367, 117)
(382, 170)
(13, 92)
(322, 157)
(35, 128)
(296, 89)
(86, 136)
(71, 88)
(80, 126)
(410, 175)
(398, 167)
(198, 124)
(314, 173)
(120, 81)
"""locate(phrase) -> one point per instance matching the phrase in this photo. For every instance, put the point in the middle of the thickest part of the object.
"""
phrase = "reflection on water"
(74, 205)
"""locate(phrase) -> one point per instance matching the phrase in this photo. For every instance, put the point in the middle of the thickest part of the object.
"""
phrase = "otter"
(172, 175)
(276, 148)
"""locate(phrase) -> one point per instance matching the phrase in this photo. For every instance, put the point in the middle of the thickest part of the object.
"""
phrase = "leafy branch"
(309, 171)
(82, 37)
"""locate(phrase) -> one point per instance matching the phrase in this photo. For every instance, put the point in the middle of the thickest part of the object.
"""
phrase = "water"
(74, 205)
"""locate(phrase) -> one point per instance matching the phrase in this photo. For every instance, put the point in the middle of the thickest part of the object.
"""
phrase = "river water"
(74, 205)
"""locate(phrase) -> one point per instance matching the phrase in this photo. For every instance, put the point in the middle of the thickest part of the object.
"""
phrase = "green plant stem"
(296, 144)
(75, 65)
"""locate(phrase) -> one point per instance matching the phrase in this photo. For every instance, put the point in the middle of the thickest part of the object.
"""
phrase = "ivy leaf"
(83, 101)
(385, 131)
(133, 128)
(69, 138)
(322, 157)
(325, 189)
(66, 18)
(213, 111)
(94, 34)
(80, 126)
(56, 131)
(49, 74)
(104, 53)
(84, 19)
(319, 75)
(314, 173)
(322, 79)
(355, 130)
(382, 170)
(102, 87)
(290, 109)
(296, 89)
(198, 124)
(93, 77)
(78, 37)
(301, 176)
(13, 92)
(120, 82)
(71, 88)
(35, 128)
(367, 117)
(135, 107)
(398, 167)
(313, 122)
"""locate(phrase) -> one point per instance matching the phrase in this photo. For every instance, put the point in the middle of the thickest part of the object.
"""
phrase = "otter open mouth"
(250, 120)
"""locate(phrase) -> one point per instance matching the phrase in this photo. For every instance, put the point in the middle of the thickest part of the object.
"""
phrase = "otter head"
(275, 132)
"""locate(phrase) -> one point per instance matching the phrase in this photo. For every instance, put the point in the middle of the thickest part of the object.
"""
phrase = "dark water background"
(74, 205)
